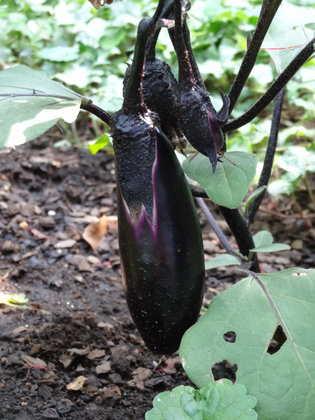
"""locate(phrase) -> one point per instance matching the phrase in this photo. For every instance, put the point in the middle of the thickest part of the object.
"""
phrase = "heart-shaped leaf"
(229, 184)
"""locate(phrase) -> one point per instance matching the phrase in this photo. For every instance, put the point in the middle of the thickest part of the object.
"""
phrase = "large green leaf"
(31, 103)
(213, 402)
(229, 184)
(282, 382)
(288, 33)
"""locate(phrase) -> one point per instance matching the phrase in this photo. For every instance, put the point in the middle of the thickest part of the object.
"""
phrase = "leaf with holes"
(275, 361)
(214, 401)
(31, 103)
(228, 185)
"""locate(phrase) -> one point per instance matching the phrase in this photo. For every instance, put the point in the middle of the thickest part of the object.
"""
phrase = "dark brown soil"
(73, 351)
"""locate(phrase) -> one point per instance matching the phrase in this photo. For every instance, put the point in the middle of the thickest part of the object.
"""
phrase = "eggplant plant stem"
(198, 191)
(268, 10)
(216, 228)
(270, 153)
(273, 90)
(241, 233)
(97, 111)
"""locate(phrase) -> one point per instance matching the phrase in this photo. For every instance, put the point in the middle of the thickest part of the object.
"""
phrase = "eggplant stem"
(273, 90)
(270, 153)
(185, 69)
(87, 105)
(216, 228)
(268, 10)
(241, 233)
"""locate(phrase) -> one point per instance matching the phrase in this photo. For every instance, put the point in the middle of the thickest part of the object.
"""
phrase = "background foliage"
(88, 50)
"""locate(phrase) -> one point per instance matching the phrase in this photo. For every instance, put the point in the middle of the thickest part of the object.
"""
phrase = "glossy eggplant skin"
(160, 241)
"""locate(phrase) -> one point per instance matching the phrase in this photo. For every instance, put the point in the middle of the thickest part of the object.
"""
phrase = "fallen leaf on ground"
(15, 299)
(140, 375)
(94, 232)
(77, 384)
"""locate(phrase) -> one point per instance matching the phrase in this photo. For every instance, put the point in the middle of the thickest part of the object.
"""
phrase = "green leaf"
(284, 381)
(31, 103)
(297, 161)
(288, 33)
(60, 53)
(15, 299)
(262, 238)
(271, 248)
(263, 241)
(220, 260)
(102, 142)
(229, 184)
(281, 186)
(213, 402)
(253, 195)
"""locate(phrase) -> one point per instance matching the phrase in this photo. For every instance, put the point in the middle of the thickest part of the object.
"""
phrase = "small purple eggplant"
(199, 120)
(160, 241)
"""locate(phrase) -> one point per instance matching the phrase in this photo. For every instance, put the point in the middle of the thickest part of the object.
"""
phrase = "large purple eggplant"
(159, 234)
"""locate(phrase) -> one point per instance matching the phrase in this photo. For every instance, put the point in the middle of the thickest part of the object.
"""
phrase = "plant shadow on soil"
(73, 351)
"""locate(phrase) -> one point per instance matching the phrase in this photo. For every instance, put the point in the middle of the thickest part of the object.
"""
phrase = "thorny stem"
(96, 110)
(133, 96)
(163, 11)
(241, 232)
(274, 89)
(268, 10)
(216, 228)
(270, 153)
(192, 59)
(186, 74)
